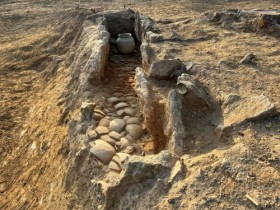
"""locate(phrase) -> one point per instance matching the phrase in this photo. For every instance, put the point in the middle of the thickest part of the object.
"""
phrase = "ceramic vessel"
(125, 43)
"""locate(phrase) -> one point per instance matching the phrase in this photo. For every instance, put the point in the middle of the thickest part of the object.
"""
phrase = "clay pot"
(125, 43)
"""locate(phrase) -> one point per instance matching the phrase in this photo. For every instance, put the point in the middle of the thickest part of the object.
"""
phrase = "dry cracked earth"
(44, 149)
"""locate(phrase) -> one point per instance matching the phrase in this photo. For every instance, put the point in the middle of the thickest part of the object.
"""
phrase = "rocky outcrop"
(122, 191)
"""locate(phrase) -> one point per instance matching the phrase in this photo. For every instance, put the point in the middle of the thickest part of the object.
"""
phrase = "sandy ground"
(34, 33)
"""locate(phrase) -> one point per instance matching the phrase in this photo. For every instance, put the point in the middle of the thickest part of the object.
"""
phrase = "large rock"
(87, 110)
(120, 22)
(245, 109)
(138, 171)
(167, 68)
(102, 151)
(116, 125)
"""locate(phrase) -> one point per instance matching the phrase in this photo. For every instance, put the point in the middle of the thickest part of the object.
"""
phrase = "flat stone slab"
(102, 130)
(102, 151)
(134, 130)
(253, 108)
(116, 125)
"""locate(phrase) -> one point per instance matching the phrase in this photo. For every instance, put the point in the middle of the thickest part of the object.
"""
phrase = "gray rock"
(116, 125)
(113, 99)
(115, 135)
(193, 91)
(246, 109)
(133, 120)
(167, 68)
(134, 130)
(102, 151)
(121, 113)
(248, 59)
(121, 105)
(87, 109)
(131, 98)
(102, 130)
(129, 111)
(154, 38)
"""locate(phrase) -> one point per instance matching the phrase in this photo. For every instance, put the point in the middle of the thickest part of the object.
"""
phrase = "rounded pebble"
(121, 105)
(116, 125)
(102, 151)
(102, 130)
(133, 120)
(134, 130)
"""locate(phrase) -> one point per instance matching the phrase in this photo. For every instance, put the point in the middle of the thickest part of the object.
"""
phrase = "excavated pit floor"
(121, 103)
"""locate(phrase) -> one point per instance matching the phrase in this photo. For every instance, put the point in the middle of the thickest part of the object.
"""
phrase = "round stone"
(102, 151)
(116, 125)
(134, 130)
(133, 120)
(121, 105)
(120, 113)
(97, 116)
(129, 111)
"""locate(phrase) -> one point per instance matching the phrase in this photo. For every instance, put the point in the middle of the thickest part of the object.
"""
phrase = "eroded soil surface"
(35, 37)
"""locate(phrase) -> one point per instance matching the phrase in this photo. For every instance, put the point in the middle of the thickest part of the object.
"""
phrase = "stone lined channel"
(119, 122)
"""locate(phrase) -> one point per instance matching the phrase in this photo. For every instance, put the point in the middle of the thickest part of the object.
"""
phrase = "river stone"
(108, 139)
(126, 118)
(121, 113)
(92, 135)
(113, 166)
(97, 116)
(133, 120)
(130, 98)
(115, 135)
(134, 130)
(130, 111)
(112, 100)
(121, 105)
(133, 105)
(117, 94)
(102, 151)
(116, 125)
(102, 130)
